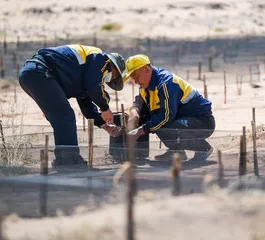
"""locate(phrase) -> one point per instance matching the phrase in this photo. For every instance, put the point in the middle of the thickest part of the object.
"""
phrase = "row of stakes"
(239, 81)
(175, 169)
(17, 66)
(176, 163)
(131, 181)
(177, 51)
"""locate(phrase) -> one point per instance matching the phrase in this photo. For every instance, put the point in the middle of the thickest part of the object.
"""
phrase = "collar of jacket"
(153, 82)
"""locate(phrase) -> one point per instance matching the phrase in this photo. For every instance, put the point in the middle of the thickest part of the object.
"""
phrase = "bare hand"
(107, 116)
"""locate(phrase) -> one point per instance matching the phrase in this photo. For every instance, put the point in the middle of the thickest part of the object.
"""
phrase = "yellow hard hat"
(133, 63)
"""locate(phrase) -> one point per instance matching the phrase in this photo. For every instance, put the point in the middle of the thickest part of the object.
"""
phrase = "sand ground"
(219, 215)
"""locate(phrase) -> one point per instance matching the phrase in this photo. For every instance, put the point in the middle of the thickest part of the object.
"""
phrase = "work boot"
(69, 159)
(167, 156)
(201, 156)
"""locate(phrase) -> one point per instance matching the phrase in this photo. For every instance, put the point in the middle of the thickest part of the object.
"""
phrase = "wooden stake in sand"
(254, 115)
(220, 169)
(243, 154)
(18, 42)
(137, 45)
(90, 142)
(131, 190)
(176, 55)
(18, 67)
(2, 66)
(205, 87)
(123, 118)
(255, 157)
(124, 127)
(95, 39)
(149, 45)
(43, 195)
(56, 40)
(250, 74)
(199, 69)
(15, 93)
(188, 75)
(5, 44)
(239, 84)
(264, 62)
(44, 160)
(175, 174)
(254, 137)
(15, 59)
(258, 69)
(210, 63)
(117, 101)
(44, 42)
(224, 87)
(3, 140)
(84, 123)
(160, 144)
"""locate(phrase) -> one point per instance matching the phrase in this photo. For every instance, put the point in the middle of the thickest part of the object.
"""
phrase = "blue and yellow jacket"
(79, 70)
(169, 97)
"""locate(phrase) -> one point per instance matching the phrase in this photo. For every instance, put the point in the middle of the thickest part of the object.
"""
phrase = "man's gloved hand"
(133, 120)
(107, 116)
(135, 134)
(112, 129)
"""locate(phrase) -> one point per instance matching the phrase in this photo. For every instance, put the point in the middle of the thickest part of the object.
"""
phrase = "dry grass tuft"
(111, 27)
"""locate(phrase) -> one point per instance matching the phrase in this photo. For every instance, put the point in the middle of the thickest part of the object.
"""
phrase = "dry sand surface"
(175, 18)
(214, 216)
(158, 216)
(194, 216)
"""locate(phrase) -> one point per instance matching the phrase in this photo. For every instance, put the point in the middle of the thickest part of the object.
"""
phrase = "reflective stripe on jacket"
(169, 97)
(80, 70)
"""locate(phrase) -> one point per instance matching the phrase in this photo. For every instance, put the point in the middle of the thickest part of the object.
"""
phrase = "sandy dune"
(159, 18)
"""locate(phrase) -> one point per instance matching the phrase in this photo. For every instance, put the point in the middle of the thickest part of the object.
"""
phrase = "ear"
(147, 69)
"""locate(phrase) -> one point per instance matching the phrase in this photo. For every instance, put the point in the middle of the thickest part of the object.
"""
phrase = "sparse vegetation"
(220, 30)
(111, 27)
(14, 145)
(140, 10)
(216, 6)
(39, 10)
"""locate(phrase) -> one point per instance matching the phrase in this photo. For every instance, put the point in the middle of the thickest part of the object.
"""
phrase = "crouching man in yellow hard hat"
(179, 115)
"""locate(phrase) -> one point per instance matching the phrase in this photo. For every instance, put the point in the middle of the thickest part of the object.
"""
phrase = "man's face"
(142, 76)
(115, 72)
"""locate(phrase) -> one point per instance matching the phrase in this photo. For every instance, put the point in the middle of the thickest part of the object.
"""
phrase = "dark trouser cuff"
(67, 154)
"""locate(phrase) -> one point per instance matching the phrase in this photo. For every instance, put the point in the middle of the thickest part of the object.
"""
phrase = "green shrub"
(111, 27)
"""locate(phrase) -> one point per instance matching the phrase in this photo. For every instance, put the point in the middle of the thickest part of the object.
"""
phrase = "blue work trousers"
(37, 81)
(188, 133)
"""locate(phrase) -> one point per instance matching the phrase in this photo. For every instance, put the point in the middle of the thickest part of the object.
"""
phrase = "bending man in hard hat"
(179, 115)
(53, 75)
